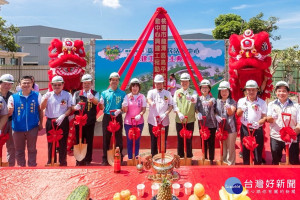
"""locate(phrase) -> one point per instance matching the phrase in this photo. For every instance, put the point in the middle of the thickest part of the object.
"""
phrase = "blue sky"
(126, 19)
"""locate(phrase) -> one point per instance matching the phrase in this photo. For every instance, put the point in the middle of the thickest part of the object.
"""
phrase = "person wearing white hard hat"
(160, 105)
(27, 120)
(253, 111)
(283, 104)
(134, 105)
(58, 105)
(225, 114)
(6, 83)
(91, 98)
(185, 100)
(112, 99)
(172, 84)
(205, 107)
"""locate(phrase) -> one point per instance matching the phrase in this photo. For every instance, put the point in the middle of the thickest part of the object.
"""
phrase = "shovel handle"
(286, 115)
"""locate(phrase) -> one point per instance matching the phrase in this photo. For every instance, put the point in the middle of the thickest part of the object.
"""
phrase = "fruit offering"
(124, 195)
(224, 195)
(165, 192)
(199, 193)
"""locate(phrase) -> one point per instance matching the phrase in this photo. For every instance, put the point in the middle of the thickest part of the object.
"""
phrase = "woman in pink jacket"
(134, 105)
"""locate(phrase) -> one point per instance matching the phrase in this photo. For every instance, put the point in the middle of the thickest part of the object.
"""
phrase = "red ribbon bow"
(80, 120)
(221, 134)
(250, 142)
(55, 135)
(134, 133)
(184, 132)
(204, 131)
(287, 133)
(113, 126)
(157, 130)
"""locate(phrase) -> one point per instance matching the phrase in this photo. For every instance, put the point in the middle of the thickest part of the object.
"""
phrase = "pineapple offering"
(165, 191)
(224, 195)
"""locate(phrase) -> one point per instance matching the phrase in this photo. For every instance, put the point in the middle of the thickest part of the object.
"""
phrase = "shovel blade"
(111, 157)
(80, 151)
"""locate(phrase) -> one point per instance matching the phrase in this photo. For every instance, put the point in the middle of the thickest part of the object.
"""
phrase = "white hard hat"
(134, 80)
(251, 84)
(185, 77)
(282, 83)
(224, 85)
(57, 79)
(205, 82)
(86, 77)
(114, 75)
(7, 78)
(158, 78)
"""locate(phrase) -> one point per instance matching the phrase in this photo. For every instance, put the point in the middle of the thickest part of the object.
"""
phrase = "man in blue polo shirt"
(27, 119)
(111, 99)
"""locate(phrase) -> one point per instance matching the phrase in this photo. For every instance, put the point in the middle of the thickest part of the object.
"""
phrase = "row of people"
(26, 108)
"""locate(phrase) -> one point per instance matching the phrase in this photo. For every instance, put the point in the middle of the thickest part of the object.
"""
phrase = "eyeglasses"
(56, 85)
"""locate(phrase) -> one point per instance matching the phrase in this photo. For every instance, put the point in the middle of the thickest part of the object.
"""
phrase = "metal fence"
(40, 73)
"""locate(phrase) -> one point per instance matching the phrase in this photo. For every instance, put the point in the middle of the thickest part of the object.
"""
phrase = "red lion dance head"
(250, 60)
(67, 60)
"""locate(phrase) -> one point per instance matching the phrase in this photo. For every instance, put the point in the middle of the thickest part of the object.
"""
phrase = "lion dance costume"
(250, 60)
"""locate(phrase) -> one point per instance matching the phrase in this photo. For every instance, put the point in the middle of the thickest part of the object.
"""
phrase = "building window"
(2, 61)
(28, 39)
(14, 61)
(47, 40)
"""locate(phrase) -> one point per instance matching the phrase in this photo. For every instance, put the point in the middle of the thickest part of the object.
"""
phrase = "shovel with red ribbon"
(3, 138)
(221, 135)
(185, 134)
(157, 132)
(133, 134)
(204, 134)
(112, 127)
(54, 136)
(250, 142)
(287, 134)
(80, 149)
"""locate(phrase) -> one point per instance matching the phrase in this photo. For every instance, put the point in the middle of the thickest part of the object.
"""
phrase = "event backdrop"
(209, 56)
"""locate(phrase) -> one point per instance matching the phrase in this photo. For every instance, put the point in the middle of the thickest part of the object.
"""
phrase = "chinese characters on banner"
(160, 46)
(271, 186)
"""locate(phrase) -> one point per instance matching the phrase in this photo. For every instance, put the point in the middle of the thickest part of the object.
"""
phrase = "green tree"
(228, 24)
(257, 24)
(7, 40)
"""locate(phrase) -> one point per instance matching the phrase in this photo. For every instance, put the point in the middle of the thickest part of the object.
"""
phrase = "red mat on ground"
(33, 183)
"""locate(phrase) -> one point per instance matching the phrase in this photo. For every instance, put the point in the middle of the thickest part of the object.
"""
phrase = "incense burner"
(161, 165)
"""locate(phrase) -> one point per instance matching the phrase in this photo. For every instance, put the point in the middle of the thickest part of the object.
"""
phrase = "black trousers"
(180, 142)
(209, 144)
(258, 150)
(62, 150)
(88, 136)
(277, 147)
(107, 135)
(154, 149)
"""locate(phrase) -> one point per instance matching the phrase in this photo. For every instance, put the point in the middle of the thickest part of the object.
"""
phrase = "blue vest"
(26, 112)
